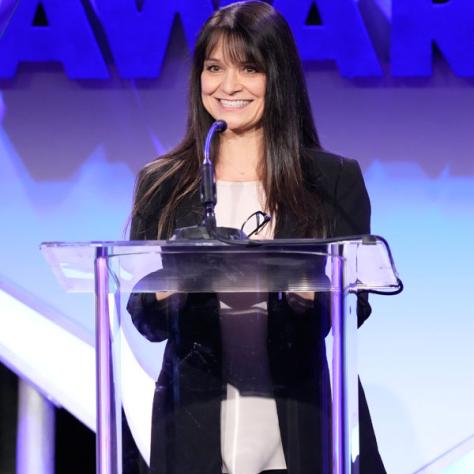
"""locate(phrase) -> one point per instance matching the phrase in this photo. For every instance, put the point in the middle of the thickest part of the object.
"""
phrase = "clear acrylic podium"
(296, 274)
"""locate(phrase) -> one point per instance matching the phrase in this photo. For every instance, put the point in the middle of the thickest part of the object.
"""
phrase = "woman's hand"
(162, 295)
(300, 301)
(306, 295)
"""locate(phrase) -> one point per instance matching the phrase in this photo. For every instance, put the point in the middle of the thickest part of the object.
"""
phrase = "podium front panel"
(227, 359)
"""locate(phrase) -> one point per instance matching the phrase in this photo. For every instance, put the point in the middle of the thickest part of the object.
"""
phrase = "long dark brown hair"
(252, 32)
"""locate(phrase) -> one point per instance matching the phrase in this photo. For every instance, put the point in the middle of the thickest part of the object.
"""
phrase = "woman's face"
(232, 92)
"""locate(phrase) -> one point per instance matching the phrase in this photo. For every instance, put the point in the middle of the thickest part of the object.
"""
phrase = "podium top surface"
(214, 266)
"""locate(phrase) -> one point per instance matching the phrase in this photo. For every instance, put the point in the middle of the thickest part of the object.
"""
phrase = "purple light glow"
(2, 107)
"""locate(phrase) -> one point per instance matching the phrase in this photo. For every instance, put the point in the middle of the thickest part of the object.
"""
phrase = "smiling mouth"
(234, 104)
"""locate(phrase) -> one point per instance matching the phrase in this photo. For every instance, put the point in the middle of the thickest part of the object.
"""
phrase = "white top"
(250, 434)
(238, 200)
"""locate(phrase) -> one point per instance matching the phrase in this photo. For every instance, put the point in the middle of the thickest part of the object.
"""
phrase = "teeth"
(237, 104)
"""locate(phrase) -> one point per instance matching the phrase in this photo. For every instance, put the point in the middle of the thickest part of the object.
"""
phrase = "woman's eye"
(250, 69)
(213, 68)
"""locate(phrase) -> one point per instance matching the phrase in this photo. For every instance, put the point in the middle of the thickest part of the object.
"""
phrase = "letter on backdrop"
(341, 37)
(139, 39)
(417, 24)
(67, 38)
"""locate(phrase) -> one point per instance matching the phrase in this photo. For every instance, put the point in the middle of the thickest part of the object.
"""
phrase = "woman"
(246, 71)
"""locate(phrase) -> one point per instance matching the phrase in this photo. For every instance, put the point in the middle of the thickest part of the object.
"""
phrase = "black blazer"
(186, 411)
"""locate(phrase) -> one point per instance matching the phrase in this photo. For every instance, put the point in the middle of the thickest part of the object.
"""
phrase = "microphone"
(208, 228)
(208, 181)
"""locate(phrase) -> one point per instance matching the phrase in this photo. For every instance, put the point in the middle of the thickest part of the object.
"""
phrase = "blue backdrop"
(69, 151)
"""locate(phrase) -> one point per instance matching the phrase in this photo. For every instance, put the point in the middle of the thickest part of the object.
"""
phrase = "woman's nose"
(231, 81)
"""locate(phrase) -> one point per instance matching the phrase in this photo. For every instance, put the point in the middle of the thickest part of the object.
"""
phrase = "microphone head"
(220, 125)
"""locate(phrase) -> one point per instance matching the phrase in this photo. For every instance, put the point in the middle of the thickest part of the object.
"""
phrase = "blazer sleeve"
(152, 317)
(353, 217)
(149, 316)
(353, 201)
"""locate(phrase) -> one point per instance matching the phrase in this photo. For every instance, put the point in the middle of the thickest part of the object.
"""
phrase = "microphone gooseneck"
(217, 126)
(208, 181)
(208, 228)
